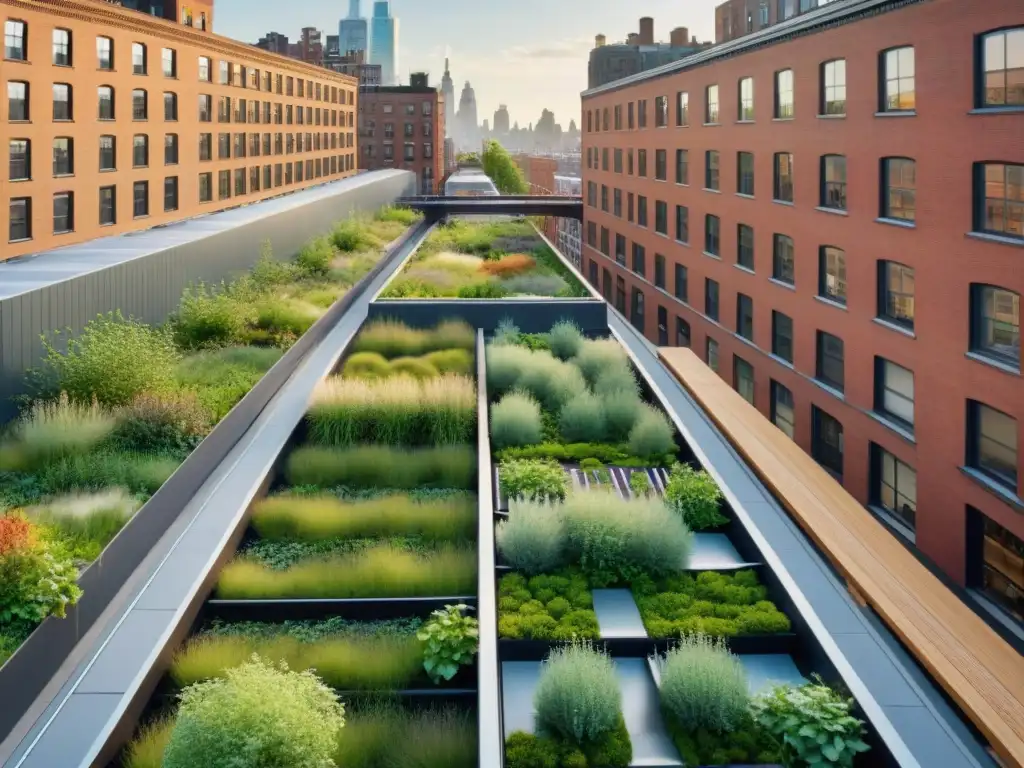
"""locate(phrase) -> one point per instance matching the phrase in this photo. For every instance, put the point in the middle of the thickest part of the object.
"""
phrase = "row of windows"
(252, 144)
(369, 129)
(62, 54)
(999, 72)
(19, 107)
(20, 208)
(998, 187)
(408, 151)
(426, 107)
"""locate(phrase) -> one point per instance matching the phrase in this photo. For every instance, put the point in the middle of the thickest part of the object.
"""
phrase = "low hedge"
(556, 606)
(528, 750)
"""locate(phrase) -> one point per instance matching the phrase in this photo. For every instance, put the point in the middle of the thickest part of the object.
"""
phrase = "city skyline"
(506, 58)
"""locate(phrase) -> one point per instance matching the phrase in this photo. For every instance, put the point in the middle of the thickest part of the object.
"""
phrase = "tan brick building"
(115, 120)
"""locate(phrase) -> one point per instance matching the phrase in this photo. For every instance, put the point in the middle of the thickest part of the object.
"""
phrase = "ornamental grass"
(396, 411)
(391, 338)
(53, 430)
(378, 466)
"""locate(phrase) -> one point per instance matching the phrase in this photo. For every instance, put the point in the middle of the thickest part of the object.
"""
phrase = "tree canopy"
(506, 175)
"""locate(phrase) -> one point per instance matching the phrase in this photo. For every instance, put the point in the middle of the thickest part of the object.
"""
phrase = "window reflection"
(1003, 65)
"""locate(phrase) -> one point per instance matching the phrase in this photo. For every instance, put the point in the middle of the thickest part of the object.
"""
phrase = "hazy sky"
(528, 54)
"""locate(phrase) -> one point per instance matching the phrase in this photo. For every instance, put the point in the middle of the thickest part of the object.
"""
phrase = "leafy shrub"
(515, 420)
(382, 571)
(507, 266)
(111, 360)
(814, 724)
(577, 695)
(487, 289)
(696, 496)
(315, 257)
(532, 539)
(533, 479)
(351, 235)
(162, 423)
(147, 749)
(621, 410)
(566, 339)
(452, 361)
(394, 411)
(598, 356)
(366, 365)
(382, 734)
(315, 518)
(405, 216)
(582, 419)
(640, 484)
(222, 377)
(527, 750)
(450, 640)
(81, 525)
(611, 750)
(535, 284)
(588, 464)
(703, 685)
(652, 434)
(506, 333)
(257, 715)
(505, 365)
(324, 297)
(138, 472)
(576, 452)
(208, 317)
(617, 381)
(416, 367)
(553, 606)
(551, 381)
(269, 273)
(391, 338)
(617, 540)
(382, 467)
(52, 430)
(286, 316)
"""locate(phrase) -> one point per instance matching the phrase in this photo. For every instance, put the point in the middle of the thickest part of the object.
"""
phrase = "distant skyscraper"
(384, 42)
(501, 121)
(448, 89)
(469, 127)
(352, 32)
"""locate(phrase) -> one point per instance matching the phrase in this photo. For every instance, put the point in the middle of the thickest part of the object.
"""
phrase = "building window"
(171, 193)
(641, 211)
(712, 234)
(662, 327)
(170, 107)
(205, 70)
(660, 111)
(20, 168)
(897, 86)
(999, 572)
(661, 217)
(140, 150)
(899, 189)
(108, 206)
(620, 294)
(659, 271)
(205, 108)
(617, 160)
(745, 316)
(17, 101)
(992, 446)
(745, 100)
(138, 59)
(171, 149)
(62, 107)
(782, 336)
(682, 333)
(617, 202)
(660, 165)
(15, 40)
(894, 392)
(169, 59)
(827, 441)
(106, 102)
(140, 105)
(833, 182)
(639, 259)
(711, 354)
(745, 173)
(995, 323)
(711, 298)
(108, 153)
(743, 378)
(896, 293)
(784, 94)
(641, 114)
(63, 213)
(205, 187)
(637, 310)
(240, 179)
(641, 162)
(604, 189)
(682, 166)
(63, 156)
(711, 178)
(682, 224)
(681, 283)
(833, 87)
(999, 199)
(783, 412)
(682, 109)
(1002, 60)
(745, 246)
(140, 199)
(832, 274)
(782, 185)
(831, 364)
(20, 219)
(711, 104)
(783, 260)
(105, 54)
(894, 486)
(62, 47)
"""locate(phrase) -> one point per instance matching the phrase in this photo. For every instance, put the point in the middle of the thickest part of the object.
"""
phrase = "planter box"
(355, 609)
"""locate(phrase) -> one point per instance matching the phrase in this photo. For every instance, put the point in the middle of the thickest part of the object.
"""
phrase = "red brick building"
(403, 127)
(834, 220)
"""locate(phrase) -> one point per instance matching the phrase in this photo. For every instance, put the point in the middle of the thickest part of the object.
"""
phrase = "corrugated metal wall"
(150, 287)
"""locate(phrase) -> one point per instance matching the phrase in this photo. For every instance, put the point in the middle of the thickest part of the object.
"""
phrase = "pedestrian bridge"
(438, 206)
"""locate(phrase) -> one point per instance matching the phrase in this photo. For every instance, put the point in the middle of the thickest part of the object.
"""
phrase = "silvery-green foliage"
(621, 410)
(565, 339)
(532, 539)
(578, 696)
(582, 419)
(515, 420)
(703, 685)
(652, 434)
(599, 355)
(505, 364)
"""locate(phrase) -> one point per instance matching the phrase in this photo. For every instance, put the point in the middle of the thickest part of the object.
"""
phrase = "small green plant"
(172, 423)
(450, 640)
(814, 724)
(533, 479)
(383, 734)
(696, 496)
(315, 257)
(516, 421)
(257, 715)
(639, 483)
(598, 356)
(209, 317)
(652, 434)
(589, 464)
(621, 410)
(52, 430)
(366, 365)
(565, 339)
(532, 539)
(505, 364)
(577, 696)
(556, 605)
(506, 333)
(703, 685)
(374, 466)
(553, 382)
(582, 420)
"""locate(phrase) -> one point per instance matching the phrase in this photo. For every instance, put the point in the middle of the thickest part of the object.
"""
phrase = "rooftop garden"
(375, 508)
(113, 411)
(484, 260)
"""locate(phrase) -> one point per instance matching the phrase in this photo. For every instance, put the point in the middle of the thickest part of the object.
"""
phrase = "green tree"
(505, 174)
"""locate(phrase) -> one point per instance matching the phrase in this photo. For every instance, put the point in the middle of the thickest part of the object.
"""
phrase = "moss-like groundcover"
(116, 409)
(490, 260)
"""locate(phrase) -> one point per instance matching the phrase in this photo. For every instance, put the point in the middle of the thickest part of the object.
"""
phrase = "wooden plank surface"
(982, 673)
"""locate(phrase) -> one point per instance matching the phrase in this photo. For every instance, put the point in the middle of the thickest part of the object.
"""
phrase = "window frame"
(682, 224)
(25, 100)
(879, 456)
(104, 64)
(899, 165)
(824, 356)
(712, 235)
(13, 33)
(745, 316)
(981, 100)
(712, 170)
(783, 245)
(682, 109)
(112, 190)
(885, 78)
(745, 174)
(981, 199)
(883, 389)
(143, 186)
(140, 66)
(884, 292)
(739, 368)
(712, 298)
(711, 104)
(138, 116)
(833, 187)
(975, 413)
(835, 106)
(745, 100)
(68, 216)
(683, 167)
(824, 274)
(780, 338)
(26, 203)
(821, 450)
(775, 389)
(61, 49)
(745, 246)
(784, 109)
(979, 321)
(69, 170)
(69, 103)
(778, 184)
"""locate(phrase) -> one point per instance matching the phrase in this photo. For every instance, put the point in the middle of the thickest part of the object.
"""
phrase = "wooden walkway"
(982, 673)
